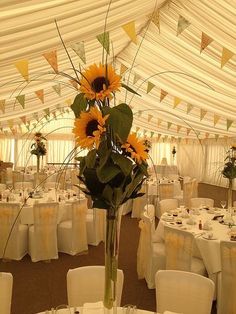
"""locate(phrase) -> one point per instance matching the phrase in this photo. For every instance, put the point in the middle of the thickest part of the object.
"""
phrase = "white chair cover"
(12, 231)
(6, 283)
(166, 190)
(23, 185)
(149, 210)
(72, 234)
(138, 206)
(179, 251)
(9, 176)
(194, 188)
(166, 205)
(86, 284)
(183, 292)
(226, 300)
(96, 226)
(150, 255)
(43, 234)
(198, 201)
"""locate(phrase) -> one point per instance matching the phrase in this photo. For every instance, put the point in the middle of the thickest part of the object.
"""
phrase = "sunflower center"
(97, 84)
(91, 127)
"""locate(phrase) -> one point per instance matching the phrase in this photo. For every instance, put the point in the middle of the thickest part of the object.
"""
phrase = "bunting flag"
(155, 18)
(136, 78)
(177, 101)
(150, 116)
(28, 127)
(216, 119)
(229, 123)
(23, 67)
(226, 55)
(182, 24)
(79, 50)
(179, 139)
(163, 95)
(74, 83)
(13, 130)
(159, 121)
(169, 124)
(23, 119)
(137, 129)
(104, 40)
(144, 132)
(205, 41)
(178, 127)
(10, 123)
(36, 116)
(203, 112)
(40, 94)
(2, 105)
(57, 89)
(54, 115)
(51, 58)
(158, 137)
(123, 69)
(186, 140)
(47, 112)
(139, 113)
(21, 100)
(165, 138)
(152, 133)
(150, 86)
(188, 131)
(189, 108)
(129, 28)
(207, 135)
(216, 137)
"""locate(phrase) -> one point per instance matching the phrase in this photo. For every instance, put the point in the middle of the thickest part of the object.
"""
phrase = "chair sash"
(143, 249)
(79, 233)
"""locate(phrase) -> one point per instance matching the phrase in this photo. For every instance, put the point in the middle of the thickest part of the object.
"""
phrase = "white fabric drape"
(60, 151)
(7, 149)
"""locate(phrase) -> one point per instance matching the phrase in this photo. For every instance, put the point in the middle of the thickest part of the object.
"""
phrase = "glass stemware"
(223, 204)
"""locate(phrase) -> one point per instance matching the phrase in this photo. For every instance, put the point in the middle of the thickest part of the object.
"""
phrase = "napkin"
(93, 308)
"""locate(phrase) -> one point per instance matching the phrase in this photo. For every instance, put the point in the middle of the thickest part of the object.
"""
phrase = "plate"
(166, 218)
(206, 237)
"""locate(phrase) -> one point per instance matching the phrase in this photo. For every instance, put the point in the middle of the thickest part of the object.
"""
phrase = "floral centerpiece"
(38, 148)
(115, 166)
(229, 172)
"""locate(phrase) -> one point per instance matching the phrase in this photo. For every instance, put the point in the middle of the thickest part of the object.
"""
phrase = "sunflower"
(89, 128)
(135, 148)
(98, 82)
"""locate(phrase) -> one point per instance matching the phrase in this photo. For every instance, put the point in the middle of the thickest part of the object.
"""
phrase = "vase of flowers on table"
(38, 148)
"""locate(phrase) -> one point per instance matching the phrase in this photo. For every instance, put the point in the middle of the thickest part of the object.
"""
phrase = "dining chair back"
(194, 188)
(187, 193)
(166, 190)
(199, 201)
(183, 292)
(6, 284)
(138, 206)
(166, 205)
(86, 284)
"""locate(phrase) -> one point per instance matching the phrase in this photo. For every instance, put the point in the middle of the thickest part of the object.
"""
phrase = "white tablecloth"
(120, 310)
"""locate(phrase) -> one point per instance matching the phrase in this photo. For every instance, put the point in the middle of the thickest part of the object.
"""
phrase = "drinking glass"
(223, 204)
(129, 309)
(64, 307)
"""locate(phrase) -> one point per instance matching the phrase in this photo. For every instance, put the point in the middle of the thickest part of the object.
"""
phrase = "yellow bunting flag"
(74, 83)
(129, 28)
(177, 101)
(23, 67)
(150, 86)
(226, 55)
(150, 116)
(169, 124)
(21, 100)
(159, 121)
(23, 119)
(203, 112)
(229, 123)
(104, 40)
(10, 123)
(188, 131)
(152, 133)
(163, 95)
(123, 69)
(205, 41)
(216, 119)
(182, 24)
(79, 50)
(216, 137)
(2, 105)
(57, 89)
(155, 18)
(189, 108)
(40, 94)
(178, 127)
(51, 58)
(137, 77)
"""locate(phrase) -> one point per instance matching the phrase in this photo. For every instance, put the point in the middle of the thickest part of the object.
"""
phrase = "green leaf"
(107, 172)
(82, 166)
(129, 89)
(99, 203)
(123, 162)
(90, 159)
(120, 121)
(108, 193)
(79, 104)
(118, 192)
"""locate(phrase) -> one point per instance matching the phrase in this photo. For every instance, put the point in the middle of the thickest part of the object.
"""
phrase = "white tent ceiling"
(201, 94)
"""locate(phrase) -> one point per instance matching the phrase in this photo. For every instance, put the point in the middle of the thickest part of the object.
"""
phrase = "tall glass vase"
(38, 163)
(230, 196)
(113, 220)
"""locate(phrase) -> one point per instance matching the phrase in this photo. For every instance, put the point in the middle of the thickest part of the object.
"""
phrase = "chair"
(150, 255)
(179, 251)
(17, 246)
(138, 206)
(166, 190)
(183, 292)
(72, 234)
(226, 301)
(23, 185)
(166, 205)
(9, 176)
(149, 210)
(43, 234)
(187, 193)
(198, 201)
(96, 226)
(86, 284)
(6, 283)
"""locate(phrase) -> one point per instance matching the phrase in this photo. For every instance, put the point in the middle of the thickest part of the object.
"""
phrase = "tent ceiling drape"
(184, 92)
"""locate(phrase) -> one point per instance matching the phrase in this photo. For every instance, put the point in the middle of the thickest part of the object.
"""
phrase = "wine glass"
(223, 204)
